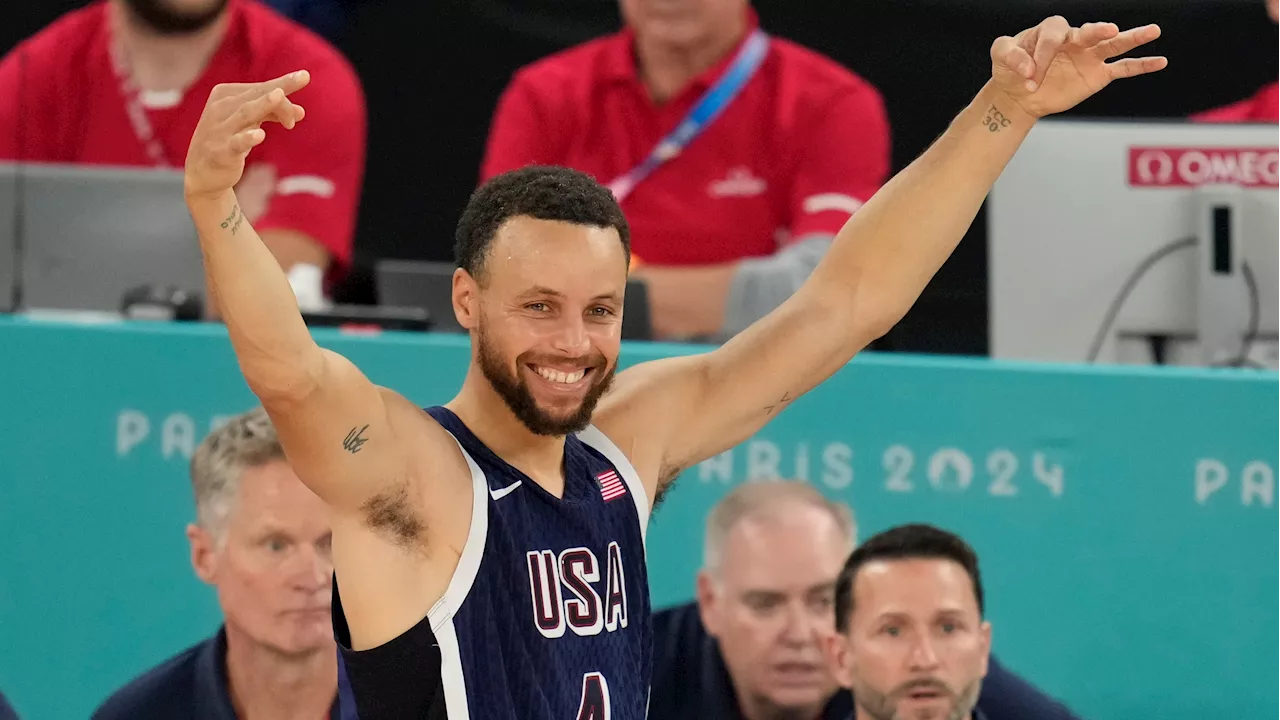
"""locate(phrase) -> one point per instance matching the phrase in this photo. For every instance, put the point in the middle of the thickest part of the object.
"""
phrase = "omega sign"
(1188, 167)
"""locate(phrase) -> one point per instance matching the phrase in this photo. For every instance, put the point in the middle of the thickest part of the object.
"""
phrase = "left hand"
(1053, 66)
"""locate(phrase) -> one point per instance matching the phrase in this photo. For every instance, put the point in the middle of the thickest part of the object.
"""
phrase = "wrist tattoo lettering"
(233, 220)
(995, 120)
(355, 440)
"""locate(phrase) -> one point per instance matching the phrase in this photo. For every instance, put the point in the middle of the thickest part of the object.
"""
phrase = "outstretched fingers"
(1126, 41)
(1132, 67)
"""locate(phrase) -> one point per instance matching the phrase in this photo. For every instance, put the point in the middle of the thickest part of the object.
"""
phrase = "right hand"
(230, 127)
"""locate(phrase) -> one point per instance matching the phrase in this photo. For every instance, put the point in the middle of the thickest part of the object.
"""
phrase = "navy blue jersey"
(547, 615)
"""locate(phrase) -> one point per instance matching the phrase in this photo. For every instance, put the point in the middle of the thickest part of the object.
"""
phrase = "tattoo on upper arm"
(786, 398)
(995, 120)
(355, 440)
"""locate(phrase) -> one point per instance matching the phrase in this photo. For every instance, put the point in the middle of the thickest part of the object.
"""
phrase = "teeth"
(561, 377)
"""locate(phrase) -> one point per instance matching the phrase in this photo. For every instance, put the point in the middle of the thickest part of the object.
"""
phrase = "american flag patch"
(611, 486)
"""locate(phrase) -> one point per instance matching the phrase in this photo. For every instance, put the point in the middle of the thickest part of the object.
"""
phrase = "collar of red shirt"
(620, 58)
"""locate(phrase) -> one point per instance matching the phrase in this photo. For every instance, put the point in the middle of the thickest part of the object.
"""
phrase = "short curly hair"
(537, 191)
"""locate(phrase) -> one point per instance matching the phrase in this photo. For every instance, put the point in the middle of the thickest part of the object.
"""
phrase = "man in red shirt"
(1263, 107)
(731, 227)
(123, 82)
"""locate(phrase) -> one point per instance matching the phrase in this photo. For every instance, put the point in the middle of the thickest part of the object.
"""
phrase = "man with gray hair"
(749, 646)
(261, 538)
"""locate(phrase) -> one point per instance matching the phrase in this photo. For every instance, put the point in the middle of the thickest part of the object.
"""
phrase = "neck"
(666, 68)
(486, 414)
(266, 685)
(161, 62)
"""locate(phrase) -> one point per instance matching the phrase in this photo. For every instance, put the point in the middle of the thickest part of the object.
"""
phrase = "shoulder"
(282, 46)
(809, 77)
(681, 646)
(569, 70)
(6, 710)
(166, 690)
(64, 42)
(1006, 696)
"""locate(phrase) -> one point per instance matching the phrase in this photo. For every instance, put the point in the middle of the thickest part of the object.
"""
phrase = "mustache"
(929, 683)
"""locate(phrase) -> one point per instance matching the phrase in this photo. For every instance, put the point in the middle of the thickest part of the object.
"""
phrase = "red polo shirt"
(801, 147)
(73, 110)
(1264, 106)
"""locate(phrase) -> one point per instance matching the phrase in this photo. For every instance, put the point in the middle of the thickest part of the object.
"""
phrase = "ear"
(204, 553)
(835, 649)
(465, 298)
(708, 603)
(985, 638)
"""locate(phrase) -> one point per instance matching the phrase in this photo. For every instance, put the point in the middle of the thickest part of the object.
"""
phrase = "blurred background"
(1114, 307)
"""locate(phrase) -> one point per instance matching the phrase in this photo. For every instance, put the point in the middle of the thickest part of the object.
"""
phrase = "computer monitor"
(429, 285)
(92, 233)
(1136, 242)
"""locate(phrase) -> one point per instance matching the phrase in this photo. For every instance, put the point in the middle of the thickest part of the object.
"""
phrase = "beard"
(884, 706)
(161, 17)
(516, 394)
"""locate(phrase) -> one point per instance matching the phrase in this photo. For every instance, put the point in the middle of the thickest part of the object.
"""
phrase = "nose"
(799, 628)
(923, 657)
(572, 338)
(313, 570)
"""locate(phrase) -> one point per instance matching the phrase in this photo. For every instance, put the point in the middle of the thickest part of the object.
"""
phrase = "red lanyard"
(132, 94)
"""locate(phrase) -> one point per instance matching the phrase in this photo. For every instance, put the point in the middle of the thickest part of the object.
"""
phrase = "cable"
(1255, 309)
(1129, 284)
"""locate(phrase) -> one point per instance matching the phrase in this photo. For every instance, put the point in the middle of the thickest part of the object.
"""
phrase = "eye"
(276, 544)
(948, 627)
(892, 630)
(600, 311)
(537, 307)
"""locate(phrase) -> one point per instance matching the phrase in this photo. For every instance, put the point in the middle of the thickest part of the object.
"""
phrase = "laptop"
(429, 285)
(92, 233)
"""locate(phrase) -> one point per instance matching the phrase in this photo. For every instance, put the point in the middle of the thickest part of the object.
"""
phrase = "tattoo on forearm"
(355, 440)
(233, 220)
(786, 398)
(995, 120)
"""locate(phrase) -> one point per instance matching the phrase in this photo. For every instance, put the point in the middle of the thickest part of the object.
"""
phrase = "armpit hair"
(391, 514)
(666, 479)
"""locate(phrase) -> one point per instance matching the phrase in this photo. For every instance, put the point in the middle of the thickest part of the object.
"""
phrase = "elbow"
(282, 385)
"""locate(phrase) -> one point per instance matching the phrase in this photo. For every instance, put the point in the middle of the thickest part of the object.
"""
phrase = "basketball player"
(489, 553)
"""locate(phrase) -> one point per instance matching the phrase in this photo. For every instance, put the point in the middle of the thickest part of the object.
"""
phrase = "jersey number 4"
(595, 698)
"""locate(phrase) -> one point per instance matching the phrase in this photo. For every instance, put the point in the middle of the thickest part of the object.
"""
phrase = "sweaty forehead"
(564, 256)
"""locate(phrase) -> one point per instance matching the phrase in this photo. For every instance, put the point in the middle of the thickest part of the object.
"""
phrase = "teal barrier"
(1125, 518)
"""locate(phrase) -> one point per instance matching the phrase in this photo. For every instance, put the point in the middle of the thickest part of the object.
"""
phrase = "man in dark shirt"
(747, 648)
(262, 539)
(6, 710)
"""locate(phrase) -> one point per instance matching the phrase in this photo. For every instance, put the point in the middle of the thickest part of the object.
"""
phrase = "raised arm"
(335, 425)
(674, 413)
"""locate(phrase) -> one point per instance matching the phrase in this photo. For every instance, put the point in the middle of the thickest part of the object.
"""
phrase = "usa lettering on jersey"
(563, 588)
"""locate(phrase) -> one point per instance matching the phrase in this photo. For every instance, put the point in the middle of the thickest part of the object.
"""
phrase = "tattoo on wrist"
(786, 398)
(355, 440)
(995, 120)
(233, 220)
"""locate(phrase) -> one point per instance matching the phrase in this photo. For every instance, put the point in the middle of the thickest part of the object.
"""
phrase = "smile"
(561, 377)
